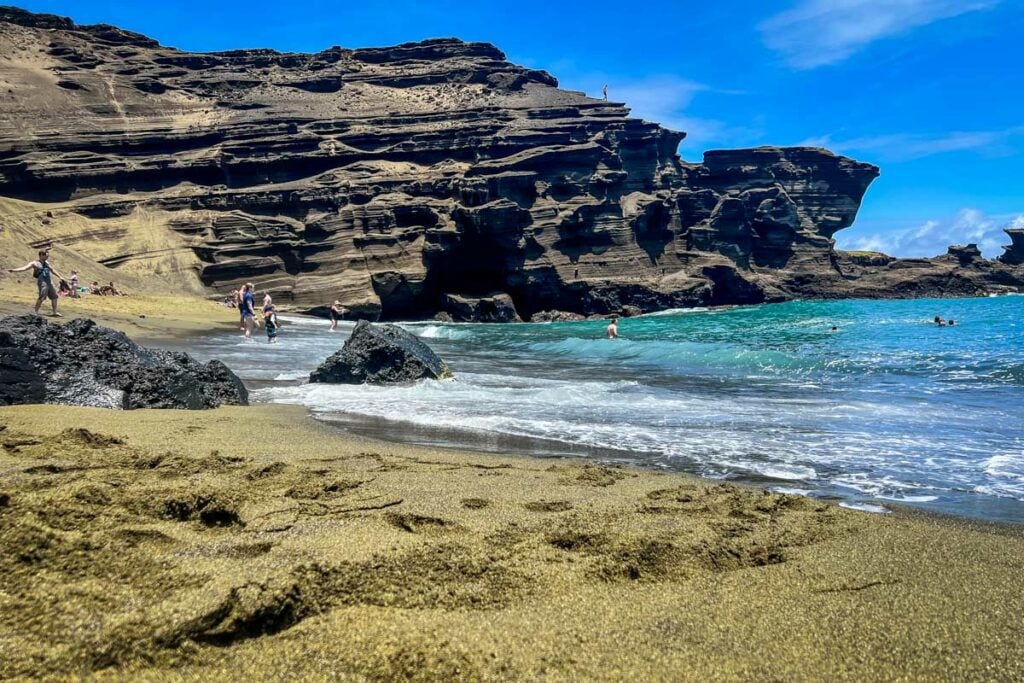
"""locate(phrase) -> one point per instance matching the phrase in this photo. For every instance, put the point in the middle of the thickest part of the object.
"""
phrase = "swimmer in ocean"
(613, 328)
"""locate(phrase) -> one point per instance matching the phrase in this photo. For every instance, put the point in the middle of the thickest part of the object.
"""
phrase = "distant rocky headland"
(431, 178)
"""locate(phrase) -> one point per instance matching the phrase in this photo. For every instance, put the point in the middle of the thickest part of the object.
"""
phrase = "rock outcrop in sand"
(381, 354)
(396, 179)
(83, 364)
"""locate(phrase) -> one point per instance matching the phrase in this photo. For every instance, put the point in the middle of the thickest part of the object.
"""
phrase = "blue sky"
(930, 90)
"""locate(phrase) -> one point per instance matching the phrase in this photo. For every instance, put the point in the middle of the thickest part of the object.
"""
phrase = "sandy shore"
(256, 543)
(145, 316)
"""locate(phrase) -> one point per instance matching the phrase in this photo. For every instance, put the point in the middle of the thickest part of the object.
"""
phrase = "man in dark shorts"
(248, 311)
(43, 272)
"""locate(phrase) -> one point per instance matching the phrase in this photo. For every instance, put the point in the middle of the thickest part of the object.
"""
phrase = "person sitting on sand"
(63, 289)
(613, 328)
(270, 323)
(248, 311)
(43, 271)
(94, 289)
(337, 313)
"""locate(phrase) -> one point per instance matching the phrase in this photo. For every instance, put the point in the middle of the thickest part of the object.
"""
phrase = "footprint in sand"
(548, 506)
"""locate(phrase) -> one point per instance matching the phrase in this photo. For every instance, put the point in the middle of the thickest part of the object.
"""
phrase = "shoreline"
(463, 438)
(175, 321)
(256, 541)
(264, 542)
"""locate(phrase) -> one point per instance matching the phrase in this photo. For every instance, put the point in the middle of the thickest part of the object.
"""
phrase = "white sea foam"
(675, 311)
(438, 332)
(790, 472)
(907, 499)
(291, 375)
(889, 410)
(865, 507)
(789, 490)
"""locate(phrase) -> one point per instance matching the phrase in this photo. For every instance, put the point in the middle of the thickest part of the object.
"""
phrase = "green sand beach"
(257, 543)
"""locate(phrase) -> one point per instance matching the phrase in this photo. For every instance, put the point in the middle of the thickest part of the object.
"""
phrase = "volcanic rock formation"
(84, 364)
(1014, 253)
(397, 178)
(381, 354)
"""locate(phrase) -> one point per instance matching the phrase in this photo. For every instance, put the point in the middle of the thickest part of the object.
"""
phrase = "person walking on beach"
(613, 328)
(248, 311)
(270, 323)
(337, 312)
(43, 271)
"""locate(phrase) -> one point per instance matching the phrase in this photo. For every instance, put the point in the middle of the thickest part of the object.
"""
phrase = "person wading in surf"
(248, 311)
(613, 328)
(43, 272)
(337, 313)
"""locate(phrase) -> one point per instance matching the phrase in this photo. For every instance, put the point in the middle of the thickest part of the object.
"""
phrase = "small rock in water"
(381, 354)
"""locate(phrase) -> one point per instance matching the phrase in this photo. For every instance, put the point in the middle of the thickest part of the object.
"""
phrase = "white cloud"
(910, 146)
(818, 32)
(665, 100)
(933, 237)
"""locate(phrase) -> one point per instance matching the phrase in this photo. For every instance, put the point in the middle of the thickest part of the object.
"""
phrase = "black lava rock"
(84, 364)
(381, 354)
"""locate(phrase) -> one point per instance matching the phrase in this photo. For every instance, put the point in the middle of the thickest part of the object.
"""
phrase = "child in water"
(270, 322)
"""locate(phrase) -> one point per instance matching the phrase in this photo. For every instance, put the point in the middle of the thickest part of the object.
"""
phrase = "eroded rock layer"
(401, 179)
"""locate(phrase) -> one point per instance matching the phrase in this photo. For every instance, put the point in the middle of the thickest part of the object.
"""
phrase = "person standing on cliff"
(604, 91)
(248, 311)
(613, 328)
(43, 272)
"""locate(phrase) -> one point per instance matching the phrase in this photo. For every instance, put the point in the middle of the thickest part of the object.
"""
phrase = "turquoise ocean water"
(887, 409)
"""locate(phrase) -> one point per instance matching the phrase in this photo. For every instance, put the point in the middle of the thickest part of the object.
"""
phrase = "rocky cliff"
(401, 179)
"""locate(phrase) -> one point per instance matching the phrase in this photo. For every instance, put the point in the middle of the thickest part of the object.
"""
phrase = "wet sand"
(257, 543)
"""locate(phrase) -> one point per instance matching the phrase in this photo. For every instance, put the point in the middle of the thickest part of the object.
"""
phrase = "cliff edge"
(399, 179)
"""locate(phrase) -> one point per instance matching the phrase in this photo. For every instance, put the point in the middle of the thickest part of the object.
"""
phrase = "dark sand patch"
(548, 506)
